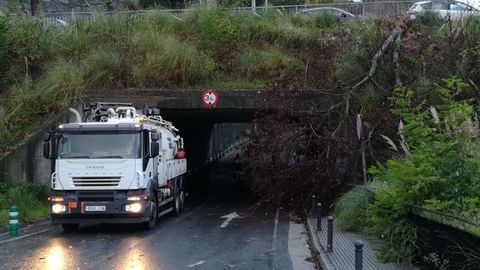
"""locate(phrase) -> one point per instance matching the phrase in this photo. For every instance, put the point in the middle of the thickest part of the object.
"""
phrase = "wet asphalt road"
(194, 240)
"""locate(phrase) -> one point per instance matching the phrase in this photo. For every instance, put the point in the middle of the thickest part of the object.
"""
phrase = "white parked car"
(455, 10)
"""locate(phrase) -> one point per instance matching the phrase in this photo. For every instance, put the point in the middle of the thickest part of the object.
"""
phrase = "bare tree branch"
(396, 59)
(398, 30)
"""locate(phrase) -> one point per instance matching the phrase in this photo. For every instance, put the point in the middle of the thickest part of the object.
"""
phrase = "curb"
(324, 261)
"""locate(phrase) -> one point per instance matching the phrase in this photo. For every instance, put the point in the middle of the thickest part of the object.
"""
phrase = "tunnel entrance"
(208, 131)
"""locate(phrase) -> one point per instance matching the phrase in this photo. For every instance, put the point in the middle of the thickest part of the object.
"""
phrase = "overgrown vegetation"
(30, 207)
(299, 151)
(436, 166)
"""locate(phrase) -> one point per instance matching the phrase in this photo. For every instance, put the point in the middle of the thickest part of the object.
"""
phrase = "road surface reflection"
(55, 256)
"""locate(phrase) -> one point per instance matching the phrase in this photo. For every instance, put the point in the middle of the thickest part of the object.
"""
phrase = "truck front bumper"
(117, 208)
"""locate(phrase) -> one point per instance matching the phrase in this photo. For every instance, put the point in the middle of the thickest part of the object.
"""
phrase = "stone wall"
(26, 162)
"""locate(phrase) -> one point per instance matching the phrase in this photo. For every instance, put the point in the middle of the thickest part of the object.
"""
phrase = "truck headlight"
(134, 207)
(58, 208)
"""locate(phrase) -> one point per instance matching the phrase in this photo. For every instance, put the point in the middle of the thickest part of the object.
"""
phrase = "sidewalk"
(343, 255)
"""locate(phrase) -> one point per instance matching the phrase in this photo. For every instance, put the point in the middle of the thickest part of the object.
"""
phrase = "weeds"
(29, 207)
(268, 63)
(351, 209)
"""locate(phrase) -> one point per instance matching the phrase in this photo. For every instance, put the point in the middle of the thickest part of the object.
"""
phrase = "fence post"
(363, 8)
(319, 216)
(330, 234)
(358, 255)
(314, 204)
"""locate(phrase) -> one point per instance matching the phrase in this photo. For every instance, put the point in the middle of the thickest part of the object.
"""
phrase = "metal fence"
(445, 238)
(367, 9)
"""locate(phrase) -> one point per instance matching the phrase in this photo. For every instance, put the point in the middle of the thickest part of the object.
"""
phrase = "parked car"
(336, 13)
(454, 10)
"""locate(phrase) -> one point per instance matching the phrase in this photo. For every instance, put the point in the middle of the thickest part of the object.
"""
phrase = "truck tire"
(152, 220)
(182, 199)
(176, 204)
(70, 227)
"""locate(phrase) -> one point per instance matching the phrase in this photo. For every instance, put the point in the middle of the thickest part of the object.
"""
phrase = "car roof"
(422, 2)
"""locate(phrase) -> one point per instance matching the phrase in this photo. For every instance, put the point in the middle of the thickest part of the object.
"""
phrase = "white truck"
(115, 165)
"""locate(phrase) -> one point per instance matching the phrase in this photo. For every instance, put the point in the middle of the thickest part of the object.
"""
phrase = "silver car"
(454, 10)
(336, 13)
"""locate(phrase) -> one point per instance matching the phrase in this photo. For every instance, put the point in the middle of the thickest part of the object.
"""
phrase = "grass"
(165, 61)
(266, 63)
(351, 209)
(29, 207)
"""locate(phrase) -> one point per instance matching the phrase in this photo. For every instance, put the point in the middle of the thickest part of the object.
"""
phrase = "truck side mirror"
(154, 149)
(46, 145)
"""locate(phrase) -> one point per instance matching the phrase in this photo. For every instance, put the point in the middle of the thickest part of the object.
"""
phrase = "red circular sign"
(210, 98)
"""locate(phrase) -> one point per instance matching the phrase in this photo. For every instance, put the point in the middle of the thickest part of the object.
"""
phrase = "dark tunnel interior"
(208, 131)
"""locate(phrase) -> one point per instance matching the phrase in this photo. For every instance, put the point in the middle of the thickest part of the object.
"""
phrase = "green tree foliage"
(438, 169)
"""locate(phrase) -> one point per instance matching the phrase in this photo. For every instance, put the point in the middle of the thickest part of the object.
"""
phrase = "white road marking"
(26, 235)
(274, 238)
(195, 264)
(229, 218)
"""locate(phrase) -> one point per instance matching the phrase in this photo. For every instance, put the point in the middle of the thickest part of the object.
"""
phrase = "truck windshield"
(99, 145)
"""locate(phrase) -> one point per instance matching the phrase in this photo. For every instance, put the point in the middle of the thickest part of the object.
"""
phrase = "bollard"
(358, 255)
(319, 216)
(330, 234)
(13, 221)
(314, 204)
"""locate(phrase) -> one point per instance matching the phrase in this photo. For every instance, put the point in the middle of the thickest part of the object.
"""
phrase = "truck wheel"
(70, 227)
(152, 220)
(176, 203)
(182, 200)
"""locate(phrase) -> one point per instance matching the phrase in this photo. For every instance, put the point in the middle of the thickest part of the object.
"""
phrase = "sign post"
(210, 98)
(362, 143)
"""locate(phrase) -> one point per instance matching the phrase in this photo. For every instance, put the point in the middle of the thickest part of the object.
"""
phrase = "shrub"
(440, 169)
(351, 208)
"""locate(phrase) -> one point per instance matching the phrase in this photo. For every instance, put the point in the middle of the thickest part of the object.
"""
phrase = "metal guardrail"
(419, 210)
(367, 9)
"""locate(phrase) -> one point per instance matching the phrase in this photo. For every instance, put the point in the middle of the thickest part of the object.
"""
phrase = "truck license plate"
(95, 208)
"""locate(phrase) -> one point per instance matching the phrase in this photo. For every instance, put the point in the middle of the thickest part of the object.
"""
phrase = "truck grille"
(96, 181)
